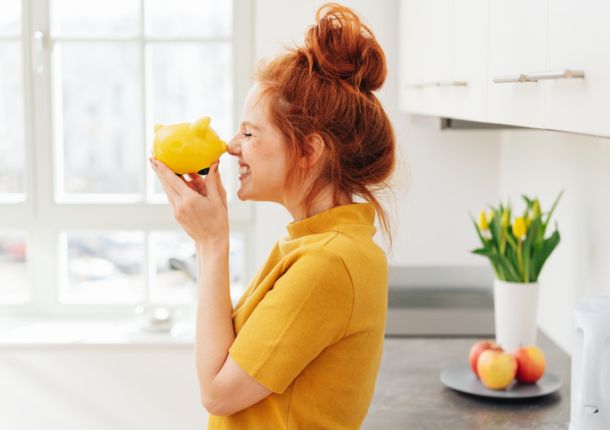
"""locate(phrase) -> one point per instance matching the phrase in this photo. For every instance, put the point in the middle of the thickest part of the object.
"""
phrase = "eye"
(247, 134)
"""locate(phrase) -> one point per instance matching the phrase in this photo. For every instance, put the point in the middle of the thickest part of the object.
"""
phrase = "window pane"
(103, 267)
(94, 18)
(101, 117)
(201, 18)
(10, 18)
(176, 267)
(191, 80)
(13, 270)
(12, 140)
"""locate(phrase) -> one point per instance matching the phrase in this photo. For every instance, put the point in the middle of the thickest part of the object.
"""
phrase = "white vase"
(516, 312)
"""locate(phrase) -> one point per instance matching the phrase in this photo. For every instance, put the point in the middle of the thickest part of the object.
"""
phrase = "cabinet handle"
(561, 74)
(539, 76)
(439, 84)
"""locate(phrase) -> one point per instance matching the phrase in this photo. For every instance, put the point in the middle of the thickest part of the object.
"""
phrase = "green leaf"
(476, 227)
(535, 261)
(530, 239)
(506, 266)
(511, 239)
(548, 245)
(494, 229)
(548, 218)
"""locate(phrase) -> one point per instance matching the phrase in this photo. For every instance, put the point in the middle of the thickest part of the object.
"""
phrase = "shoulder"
(320, 260)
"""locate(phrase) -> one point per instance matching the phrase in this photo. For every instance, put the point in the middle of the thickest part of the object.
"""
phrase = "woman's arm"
(225, 388)
(200, 206)
(214, 331)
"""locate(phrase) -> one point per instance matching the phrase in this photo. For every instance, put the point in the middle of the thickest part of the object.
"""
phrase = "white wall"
(447, 173)
(542, 163)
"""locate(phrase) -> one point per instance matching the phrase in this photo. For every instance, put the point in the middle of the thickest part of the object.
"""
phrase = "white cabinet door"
(443, 57)
(469, 60)
(517, 46)
(579, 40)
(425, 28)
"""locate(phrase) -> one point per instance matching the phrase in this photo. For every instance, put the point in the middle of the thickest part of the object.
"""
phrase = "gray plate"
(459, 376)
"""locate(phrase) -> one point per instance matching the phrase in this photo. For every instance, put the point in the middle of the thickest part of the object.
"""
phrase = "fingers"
(169, 181)
(214, 183)
(221, 189)
(196, 183)
(175, 188)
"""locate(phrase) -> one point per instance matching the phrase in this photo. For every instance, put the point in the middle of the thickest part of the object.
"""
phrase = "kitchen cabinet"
(517, 46)
(579, 40)
(530, 63)
(469, 59)
(425, 33)
(443, 61)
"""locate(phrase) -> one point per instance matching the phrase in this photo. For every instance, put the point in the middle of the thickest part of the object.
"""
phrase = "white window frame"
(44, 220)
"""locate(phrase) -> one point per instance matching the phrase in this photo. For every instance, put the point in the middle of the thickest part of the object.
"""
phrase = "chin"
(243, 195)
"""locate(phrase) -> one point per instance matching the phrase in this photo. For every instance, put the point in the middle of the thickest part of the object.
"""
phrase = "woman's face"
(262, 152)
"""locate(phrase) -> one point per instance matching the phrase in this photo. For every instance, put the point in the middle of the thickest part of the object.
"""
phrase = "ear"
(314, 148)
(202, 123)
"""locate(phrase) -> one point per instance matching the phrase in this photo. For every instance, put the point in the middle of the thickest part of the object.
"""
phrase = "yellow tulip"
(505, 219)
(491, 216)
(483, 225)
(536, 209)
(519, 227)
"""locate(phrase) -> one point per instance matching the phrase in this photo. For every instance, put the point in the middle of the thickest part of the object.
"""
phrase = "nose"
(234, 146)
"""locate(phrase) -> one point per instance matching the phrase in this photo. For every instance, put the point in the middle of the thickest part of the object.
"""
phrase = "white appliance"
(590, 394)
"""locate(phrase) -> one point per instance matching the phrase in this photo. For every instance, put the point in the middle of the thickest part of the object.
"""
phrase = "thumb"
(212, 180)
(220, 186)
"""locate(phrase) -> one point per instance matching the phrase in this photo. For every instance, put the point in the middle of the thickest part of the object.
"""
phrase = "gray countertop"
(409, 394)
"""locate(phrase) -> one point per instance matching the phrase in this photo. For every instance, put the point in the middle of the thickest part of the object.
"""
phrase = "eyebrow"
(249, 124)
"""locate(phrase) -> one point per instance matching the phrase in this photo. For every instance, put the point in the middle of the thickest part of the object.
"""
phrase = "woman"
(302, 347)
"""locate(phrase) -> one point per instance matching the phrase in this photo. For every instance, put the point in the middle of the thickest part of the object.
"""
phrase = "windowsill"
(38, 332)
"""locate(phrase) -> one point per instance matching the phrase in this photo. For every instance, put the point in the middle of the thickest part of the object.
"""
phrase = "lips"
(244, 169)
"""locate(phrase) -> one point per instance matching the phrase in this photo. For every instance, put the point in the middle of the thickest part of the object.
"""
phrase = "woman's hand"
(199, 205)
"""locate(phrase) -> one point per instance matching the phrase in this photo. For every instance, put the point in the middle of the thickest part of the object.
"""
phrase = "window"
(84, 223)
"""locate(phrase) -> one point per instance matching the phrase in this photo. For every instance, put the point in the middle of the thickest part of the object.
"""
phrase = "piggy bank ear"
(157, 127)
(202, 123)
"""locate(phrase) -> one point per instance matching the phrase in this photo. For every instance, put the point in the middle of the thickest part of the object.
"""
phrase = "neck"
(323, 201)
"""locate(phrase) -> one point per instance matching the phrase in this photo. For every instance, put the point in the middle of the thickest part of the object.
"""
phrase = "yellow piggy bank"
(188, 147)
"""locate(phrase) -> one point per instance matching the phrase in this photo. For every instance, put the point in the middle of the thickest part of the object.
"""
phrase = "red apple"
(477, 349)
(531, 364)
(496, 369)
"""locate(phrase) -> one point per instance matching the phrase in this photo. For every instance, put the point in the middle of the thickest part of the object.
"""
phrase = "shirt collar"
(330, 219)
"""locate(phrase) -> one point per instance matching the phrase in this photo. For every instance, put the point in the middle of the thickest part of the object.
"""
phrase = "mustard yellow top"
(310, 326)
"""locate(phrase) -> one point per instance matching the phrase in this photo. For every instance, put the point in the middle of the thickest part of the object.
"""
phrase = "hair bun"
(341, 46)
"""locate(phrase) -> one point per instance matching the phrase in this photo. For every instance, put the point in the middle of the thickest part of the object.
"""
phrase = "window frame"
(44, 220)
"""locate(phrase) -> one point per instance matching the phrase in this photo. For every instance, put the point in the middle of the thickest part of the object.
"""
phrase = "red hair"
(326, 88)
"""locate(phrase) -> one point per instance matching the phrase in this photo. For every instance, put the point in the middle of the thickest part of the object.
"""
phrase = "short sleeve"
(308, 309)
